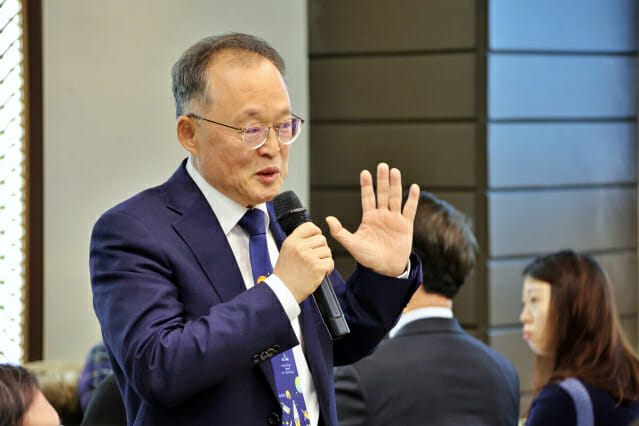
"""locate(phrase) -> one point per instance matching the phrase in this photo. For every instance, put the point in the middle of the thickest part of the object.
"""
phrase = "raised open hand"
(384, 238)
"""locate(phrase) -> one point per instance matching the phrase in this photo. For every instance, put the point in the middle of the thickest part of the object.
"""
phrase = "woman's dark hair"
(17, 388)
(583, 327)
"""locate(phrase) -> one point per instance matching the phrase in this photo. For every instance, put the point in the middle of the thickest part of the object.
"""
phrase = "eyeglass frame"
(243, 131)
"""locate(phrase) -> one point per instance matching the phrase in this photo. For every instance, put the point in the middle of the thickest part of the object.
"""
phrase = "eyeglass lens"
(287, 131)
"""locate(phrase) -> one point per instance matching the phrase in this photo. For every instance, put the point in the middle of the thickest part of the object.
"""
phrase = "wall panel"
(379, 25)
(554, 154)
(437, 86)
(526, 222)
(510, 343)
(534, 86)
(551, 25)
(465, 306)
(429, 154)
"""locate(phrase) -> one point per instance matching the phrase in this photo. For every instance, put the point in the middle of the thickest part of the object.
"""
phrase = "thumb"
(337, 231)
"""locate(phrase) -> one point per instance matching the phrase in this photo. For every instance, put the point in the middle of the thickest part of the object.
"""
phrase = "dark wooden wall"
(395, 82)
(521, 114)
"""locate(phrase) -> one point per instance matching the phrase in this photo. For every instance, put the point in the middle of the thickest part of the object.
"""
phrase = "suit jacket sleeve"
(372, 303)
(167, 356)
(350, 397)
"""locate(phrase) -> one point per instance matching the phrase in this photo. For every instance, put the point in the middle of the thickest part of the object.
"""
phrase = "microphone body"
(291, 214)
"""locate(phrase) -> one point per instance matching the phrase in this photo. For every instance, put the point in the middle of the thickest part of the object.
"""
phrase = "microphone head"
(289, 211)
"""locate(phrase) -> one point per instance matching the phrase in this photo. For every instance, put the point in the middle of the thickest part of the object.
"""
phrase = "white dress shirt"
(229, 213)
(417, 314)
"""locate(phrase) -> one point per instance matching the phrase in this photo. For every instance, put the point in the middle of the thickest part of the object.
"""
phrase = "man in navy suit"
(431, 372)
(191, 334)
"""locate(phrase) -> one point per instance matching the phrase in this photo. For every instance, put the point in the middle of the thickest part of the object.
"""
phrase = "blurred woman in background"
(586, 372)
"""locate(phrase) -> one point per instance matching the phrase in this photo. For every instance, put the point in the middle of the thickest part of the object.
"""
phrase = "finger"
(338, 232)
(334, 225)
(410, 208)
(329, 265)
(322, 252)
(395, 202)
(324, 266)
(368, 194)
(317, 241)
(383, 187)
(306, 230)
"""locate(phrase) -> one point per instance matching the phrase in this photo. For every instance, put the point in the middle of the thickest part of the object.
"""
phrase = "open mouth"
(268, 174)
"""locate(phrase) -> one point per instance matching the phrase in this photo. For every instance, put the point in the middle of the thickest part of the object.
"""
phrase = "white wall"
(109, 126)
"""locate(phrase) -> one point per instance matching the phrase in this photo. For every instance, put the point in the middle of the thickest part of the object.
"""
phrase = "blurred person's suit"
(430, 371)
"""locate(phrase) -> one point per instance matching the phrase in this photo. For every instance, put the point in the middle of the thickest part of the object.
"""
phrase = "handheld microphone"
(291, 214)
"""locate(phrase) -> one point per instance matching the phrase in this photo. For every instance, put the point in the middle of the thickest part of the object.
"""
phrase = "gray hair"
(189, 72)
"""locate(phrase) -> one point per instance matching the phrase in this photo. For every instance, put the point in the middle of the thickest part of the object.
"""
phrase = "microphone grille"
(289, 211)
(285, 202)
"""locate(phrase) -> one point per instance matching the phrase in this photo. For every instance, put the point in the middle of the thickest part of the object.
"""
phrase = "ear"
(187, 134)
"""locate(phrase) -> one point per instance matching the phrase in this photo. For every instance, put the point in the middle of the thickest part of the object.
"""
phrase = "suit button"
(264, 356)
(276, 348)
(270, 352)
(256, 359)
(274, 419)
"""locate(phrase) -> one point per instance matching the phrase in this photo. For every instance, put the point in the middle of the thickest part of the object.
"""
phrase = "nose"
(271, 145)
(525, 316)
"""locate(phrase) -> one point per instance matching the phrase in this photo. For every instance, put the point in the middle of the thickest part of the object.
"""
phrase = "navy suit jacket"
(430, 373)
(189, 344)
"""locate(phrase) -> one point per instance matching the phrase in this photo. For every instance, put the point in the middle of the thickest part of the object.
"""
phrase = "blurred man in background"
(430, 371)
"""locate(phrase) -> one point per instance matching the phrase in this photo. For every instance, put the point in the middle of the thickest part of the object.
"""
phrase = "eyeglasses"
(255, 134)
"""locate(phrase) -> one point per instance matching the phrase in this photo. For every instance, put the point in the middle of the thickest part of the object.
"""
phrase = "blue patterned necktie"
(287, 381)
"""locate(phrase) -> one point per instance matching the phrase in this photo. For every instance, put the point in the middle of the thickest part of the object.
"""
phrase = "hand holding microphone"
(305, 260)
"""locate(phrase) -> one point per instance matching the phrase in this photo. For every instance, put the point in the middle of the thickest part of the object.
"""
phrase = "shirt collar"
(417, 314)
(227, 211)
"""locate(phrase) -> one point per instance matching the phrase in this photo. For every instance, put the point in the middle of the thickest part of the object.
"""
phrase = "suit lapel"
(201, 231)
